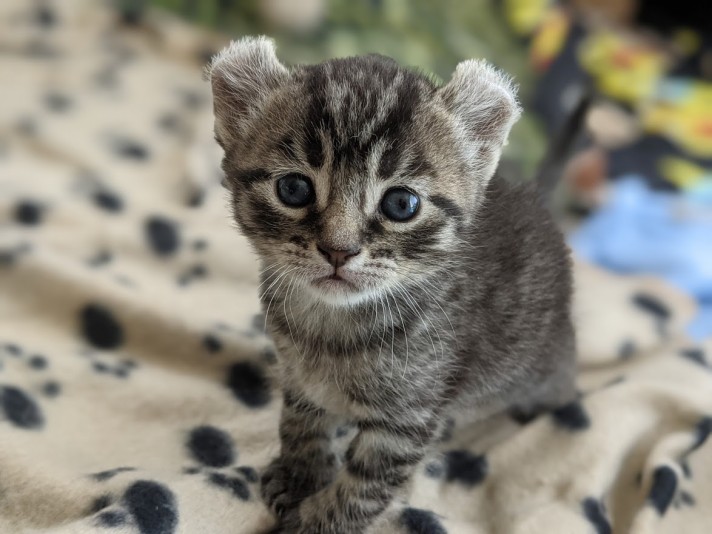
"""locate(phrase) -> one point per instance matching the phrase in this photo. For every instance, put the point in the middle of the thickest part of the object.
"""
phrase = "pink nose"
(338, 257)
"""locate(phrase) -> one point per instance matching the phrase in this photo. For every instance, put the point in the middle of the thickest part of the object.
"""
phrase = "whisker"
(423, 316)
(274, 294)
(286, 316)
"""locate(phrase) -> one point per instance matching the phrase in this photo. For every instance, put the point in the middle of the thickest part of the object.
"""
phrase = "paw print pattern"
(214, 450)
(194, 272)
(104, 198)
(20, 409)
(658, 311)
(595, 511)
(20, 406)
(417, 521)
(10, 255)
(162, 235)
(247, 380)
(147, 505)
(253, 331)
(213, 342)
(120, 369)
(102, 476)
(101, 330)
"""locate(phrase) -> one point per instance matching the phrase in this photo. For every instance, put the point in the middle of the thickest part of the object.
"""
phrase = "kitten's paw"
(285, 485)
(289, 524)
(277, 489)
(282, 488)
(320, 514)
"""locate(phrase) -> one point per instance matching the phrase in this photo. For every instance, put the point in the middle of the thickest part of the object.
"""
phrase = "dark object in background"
(131, 11)
(564, 143)
(666, 16)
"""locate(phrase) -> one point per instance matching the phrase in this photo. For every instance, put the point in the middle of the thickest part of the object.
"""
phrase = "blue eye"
(295, 190)
(399, 204)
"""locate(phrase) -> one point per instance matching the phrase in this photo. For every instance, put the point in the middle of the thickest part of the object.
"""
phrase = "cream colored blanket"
(135, 378)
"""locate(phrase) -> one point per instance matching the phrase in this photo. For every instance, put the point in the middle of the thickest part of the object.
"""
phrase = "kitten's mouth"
(340, 287)
(334, 279)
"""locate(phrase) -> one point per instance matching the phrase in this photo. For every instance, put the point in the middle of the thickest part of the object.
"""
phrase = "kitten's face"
(350, 178)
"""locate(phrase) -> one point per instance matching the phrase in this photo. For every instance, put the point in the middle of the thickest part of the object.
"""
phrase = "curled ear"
(243, 77)
(483, 100)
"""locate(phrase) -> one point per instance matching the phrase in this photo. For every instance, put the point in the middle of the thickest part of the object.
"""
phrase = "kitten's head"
(356, 176)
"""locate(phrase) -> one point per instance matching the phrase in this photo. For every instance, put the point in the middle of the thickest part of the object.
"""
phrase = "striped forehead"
(359, 108)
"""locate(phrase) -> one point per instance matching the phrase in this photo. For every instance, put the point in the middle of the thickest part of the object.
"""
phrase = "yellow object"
(623, 68)
(682, 111)
(550, 39)
(681, 172)
(525, 15)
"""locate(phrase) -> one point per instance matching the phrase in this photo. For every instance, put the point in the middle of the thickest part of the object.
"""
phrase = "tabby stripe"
(358, 508)
(392, 477)
(251, 176)
(418, 166)
(318, 345)
(288, 149)
(389, 162)
(387, 459)
(377, 492)
(400, 460)
(302, 405)
(419, 433)
(302, 435)
(446, 205)
(265, 220)
(427, 238)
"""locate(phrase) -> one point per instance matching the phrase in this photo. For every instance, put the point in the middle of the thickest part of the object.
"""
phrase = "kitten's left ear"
(484, 102)
(243, 76)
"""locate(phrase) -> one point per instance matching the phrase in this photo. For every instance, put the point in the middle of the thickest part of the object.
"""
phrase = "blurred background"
(635, 191)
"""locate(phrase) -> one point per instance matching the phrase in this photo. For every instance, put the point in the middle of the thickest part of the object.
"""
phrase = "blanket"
(136, 382)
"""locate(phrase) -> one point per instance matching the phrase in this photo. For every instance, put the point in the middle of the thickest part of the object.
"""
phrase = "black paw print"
(148, 505)
(19, 405)
(120, 369)
(215, 451)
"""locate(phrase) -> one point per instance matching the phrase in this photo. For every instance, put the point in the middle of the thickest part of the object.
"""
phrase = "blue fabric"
(667, 234)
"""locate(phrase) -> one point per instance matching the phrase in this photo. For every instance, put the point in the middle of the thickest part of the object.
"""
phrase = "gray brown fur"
(464, 308)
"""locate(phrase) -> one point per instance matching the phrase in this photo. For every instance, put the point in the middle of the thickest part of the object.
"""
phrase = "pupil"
(399, 204)
(295, 190)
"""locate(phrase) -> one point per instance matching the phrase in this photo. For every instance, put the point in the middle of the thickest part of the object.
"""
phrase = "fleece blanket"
(136, 382)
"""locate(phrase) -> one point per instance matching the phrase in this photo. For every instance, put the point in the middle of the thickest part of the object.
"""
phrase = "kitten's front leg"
(380, 463)
(306, 463)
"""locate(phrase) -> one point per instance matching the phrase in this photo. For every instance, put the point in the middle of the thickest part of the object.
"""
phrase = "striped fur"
(464, 308)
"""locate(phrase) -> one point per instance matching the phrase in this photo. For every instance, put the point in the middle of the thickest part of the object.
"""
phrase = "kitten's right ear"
(243, 76)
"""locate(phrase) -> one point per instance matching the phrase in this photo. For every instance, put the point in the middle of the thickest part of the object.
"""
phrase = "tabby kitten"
(401, 280)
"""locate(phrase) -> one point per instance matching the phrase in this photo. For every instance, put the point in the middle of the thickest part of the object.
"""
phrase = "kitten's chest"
(325, 382)
(322, 389)
(330, 360)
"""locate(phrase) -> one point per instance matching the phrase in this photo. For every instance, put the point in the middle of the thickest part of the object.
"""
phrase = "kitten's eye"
(295, 190)
(399, 204)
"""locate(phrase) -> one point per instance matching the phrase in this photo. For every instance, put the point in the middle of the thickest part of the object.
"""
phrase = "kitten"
(401, 280)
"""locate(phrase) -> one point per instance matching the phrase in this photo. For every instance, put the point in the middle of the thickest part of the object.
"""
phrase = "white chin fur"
(340, 297)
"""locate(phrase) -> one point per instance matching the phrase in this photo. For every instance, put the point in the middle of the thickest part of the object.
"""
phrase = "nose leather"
(337, 257)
